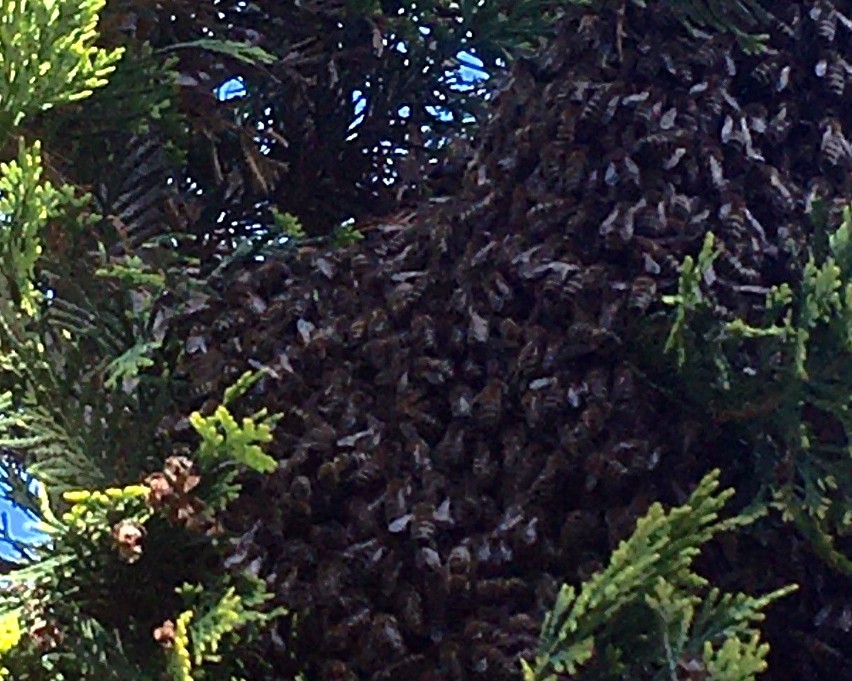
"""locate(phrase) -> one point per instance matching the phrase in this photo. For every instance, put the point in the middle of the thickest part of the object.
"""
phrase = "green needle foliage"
(63, 600)
(82, 386)
(48, 57)
(26, 204)
(783, 382)
(647, 614)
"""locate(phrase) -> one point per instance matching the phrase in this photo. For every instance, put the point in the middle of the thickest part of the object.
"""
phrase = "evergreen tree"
(99, 257)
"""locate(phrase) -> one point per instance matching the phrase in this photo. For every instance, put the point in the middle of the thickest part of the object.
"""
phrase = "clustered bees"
(467, 422)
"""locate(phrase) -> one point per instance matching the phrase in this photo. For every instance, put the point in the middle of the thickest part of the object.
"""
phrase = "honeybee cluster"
(466, 427)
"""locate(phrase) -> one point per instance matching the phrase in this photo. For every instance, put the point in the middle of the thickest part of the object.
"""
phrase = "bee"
(732, 214)
(580, 337)
(477, 330)
(708, 54)
(450, 450)
(357, 330)
(342, 632)
(450, 657)
(749, 411)
(460, 560)
(643, 291)
(717, 170)
(457, 340)
(589, 29)
(763, 73)
(573, 170)
(378, 324)
(330, 472)
(567, 125)
(683, 72)
(554, 397)
(533, 407)
(594, 106)
(299, 306)
(378, 352)
(714, 98)
(744, 272)
(422, 522)
(620, 231)
(623, 384)
(611, 108)
(594, 417)
(368, 471)
(543, 487)
(825, 17)
(424, 331)
(479, 208)
(472, 370)
(483, 467)
(779, 125)
(434, 371)
(499, 292)
(513, 447)
(837, 75)
(510, 332)
(693, 668)
(596, 381)
(780, 195)
(411, 611)
(402, 297)
(552, 284)
(488, 404)
(834, 146)
(300, 489)
(550, 358)
(573, 287)
(651, 220)
(128, 536)
(529, 357)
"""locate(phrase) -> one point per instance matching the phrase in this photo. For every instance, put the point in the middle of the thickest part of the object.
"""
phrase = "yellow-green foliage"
(26, 204)
(10, 636)
(52, 581)
(95, 544)
(798, 359)
(345, 234)
(47, 56)
(689, 295)
(201, 631)
(179, 659)
(94, 512)
(287, 224)
(222, 438)
(646, 610)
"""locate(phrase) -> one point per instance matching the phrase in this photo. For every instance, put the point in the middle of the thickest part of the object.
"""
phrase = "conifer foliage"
(642, 615)
(452, 411)
(121, 558)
